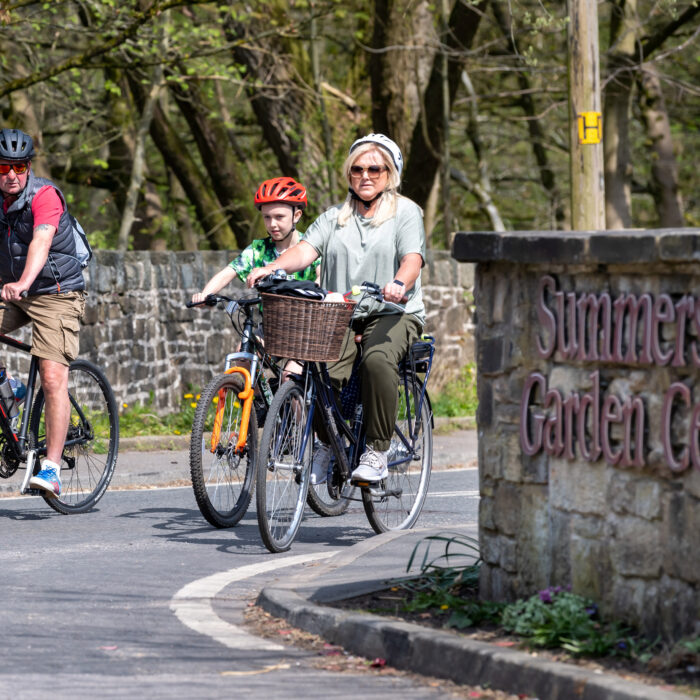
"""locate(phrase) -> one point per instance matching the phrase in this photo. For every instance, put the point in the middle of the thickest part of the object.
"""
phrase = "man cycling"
(42, 283)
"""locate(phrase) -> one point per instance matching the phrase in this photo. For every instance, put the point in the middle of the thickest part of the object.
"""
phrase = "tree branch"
(103, 46)
(653, 42)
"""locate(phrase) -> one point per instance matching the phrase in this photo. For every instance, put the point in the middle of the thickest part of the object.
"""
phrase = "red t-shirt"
(47, 207)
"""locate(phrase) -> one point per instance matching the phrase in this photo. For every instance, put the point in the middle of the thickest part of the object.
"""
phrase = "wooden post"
(445, 169)
(585, 119)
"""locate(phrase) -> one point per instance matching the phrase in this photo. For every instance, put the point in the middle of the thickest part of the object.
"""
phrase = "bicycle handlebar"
(214, 299)
(374, 291)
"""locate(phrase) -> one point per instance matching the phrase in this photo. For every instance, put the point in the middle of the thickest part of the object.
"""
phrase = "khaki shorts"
(55, 320)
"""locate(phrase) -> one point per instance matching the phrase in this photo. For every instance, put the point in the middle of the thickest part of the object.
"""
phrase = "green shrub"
(458, 398)
(557, 618)
(137, 420)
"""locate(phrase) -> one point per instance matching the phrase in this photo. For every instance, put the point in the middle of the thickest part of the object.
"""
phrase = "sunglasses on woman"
(19, 168)
(373, 171)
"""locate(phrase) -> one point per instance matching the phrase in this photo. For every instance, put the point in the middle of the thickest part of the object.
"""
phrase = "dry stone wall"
(153, 348)
(588, 361)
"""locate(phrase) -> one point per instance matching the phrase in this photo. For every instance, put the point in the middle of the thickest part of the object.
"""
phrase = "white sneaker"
(372, 466)
(322, 458)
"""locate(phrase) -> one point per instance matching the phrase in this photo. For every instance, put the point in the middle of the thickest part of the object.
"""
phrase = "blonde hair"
(387, 200)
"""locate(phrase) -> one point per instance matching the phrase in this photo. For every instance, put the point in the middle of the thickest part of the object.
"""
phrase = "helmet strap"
(367, 202)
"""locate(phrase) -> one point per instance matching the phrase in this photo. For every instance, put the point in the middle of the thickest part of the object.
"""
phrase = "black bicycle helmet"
(16, 145)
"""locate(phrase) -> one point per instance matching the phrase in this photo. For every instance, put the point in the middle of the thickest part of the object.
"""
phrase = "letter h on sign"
(590, 127)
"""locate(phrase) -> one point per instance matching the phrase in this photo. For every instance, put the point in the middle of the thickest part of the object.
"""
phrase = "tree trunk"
(176, 156)
(188, 236)
(623, 56)
(138, 164)
(397, 76)
(424, 158)
(219, 160)
(664, 170)
(284, 108)
(482, 189)
(527, 104)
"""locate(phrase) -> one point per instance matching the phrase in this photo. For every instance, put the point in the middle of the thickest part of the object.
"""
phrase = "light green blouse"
(359, 252)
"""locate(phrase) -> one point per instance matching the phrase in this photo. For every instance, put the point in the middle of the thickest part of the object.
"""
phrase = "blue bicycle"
(286, 448)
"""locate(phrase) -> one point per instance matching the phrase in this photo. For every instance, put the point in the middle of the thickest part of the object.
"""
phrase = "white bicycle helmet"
(387, 144)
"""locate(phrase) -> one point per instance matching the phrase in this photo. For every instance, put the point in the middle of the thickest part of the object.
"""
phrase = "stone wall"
(151, 346)
(589, 439)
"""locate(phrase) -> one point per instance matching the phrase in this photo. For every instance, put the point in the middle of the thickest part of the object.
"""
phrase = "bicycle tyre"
(283, 474)
(322, 500)
(408, 483)
(222, 480)
(87, 466)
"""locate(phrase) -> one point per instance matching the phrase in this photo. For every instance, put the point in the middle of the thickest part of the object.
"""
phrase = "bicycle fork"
(247, 396)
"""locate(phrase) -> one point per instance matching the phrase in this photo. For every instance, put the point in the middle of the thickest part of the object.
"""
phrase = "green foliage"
(139, 419)
(459, 397)
(447, 587)
(558, 618)
(239, 61)
(449, 582)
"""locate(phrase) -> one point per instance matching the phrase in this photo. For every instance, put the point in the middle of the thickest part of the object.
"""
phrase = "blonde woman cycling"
(375, 235)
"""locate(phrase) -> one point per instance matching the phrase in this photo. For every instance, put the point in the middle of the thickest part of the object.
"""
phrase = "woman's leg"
(385, 341)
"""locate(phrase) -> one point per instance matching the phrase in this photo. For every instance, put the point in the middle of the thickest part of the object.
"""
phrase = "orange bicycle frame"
(247, 396)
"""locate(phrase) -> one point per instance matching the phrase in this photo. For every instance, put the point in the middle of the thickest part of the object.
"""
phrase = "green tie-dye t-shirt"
(261, 252)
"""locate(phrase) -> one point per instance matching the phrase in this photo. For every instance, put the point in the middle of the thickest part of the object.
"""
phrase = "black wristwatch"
(399, 282)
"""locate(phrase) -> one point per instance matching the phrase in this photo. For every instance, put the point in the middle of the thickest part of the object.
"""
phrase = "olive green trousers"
(385, 341)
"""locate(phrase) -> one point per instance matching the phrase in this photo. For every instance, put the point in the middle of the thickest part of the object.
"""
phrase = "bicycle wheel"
(92, 442)
(330, 498)
(283, 472)
(223, 480)
(396, 503)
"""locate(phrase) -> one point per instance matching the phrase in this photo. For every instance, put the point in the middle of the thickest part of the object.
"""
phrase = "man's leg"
(55, 330)
(54, 381)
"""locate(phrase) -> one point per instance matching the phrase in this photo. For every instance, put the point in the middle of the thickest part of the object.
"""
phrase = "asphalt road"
(142, 597)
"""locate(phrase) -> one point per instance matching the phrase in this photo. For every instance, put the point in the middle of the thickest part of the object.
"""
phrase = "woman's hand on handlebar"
(395, 293)
(198, 298)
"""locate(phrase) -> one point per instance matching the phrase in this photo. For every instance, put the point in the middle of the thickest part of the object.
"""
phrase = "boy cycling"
(281, 201)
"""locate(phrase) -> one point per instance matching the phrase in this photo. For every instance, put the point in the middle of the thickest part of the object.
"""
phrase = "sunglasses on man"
(373, 171)
(19, 168)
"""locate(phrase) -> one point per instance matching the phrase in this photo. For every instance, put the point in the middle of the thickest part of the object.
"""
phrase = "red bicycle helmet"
(281, 189)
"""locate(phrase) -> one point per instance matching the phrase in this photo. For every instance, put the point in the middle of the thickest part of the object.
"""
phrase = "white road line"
(192, 603)
(449, 494)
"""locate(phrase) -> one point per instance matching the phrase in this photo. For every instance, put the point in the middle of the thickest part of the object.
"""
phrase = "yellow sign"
(590, 127)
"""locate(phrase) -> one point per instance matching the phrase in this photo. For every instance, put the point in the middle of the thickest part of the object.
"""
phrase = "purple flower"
(545, 596)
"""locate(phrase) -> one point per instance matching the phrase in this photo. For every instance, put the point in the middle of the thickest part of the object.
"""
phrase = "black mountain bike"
(92, 442)
(286, 451)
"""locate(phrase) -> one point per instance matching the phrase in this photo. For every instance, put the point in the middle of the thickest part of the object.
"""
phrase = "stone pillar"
(588, 361)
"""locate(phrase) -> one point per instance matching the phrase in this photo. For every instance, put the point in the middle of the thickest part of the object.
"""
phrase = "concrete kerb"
(370, 565)
(445, 655)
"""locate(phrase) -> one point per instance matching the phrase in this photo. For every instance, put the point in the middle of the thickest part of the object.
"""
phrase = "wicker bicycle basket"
(305, 329)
